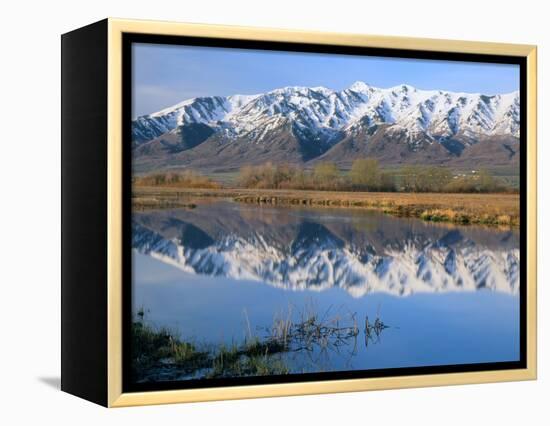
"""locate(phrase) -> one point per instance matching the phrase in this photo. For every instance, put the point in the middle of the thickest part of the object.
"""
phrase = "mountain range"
(302, 125)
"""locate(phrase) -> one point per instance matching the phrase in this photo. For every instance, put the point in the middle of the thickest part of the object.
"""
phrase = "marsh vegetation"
(158, 353)
(366, 175)
(430, 193)
(463, 209)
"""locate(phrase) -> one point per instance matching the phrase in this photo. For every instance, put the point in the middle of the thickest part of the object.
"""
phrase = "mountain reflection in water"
(360, 252)
(292, 290)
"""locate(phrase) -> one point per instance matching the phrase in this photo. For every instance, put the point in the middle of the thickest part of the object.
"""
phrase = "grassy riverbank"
(160, 353)
(487, 209)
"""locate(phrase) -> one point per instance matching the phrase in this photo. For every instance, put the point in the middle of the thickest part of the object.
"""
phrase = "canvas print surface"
(302, 213)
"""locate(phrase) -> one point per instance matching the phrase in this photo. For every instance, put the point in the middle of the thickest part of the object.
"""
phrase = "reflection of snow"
(317, 260)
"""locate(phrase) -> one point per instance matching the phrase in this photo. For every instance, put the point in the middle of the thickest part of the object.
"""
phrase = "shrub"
(425, 178)
(482, 182)
(186, 179)
(326, 175)
(269, 176)
(366, 175)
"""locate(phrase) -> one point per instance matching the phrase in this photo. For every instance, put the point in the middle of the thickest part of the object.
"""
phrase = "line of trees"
(185, 179)
(366, 175)
(442, 179)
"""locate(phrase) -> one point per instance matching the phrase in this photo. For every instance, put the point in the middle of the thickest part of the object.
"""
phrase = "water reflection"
(228, 289)
(317, 250)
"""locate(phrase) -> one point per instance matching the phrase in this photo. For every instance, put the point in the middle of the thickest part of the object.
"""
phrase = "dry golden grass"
(492, 209)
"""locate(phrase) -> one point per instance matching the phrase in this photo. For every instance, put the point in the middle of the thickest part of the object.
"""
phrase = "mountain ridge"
(310, 122)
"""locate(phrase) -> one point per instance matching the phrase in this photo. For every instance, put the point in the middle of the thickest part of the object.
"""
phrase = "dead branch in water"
(323, 332)
(374, 330)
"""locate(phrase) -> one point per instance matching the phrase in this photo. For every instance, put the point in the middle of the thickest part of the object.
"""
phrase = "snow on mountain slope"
(322, 112)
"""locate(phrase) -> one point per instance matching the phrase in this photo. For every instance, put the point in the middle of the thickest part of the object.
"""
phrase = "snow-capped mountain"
(208, 110)
(313, 121)
(312, 257)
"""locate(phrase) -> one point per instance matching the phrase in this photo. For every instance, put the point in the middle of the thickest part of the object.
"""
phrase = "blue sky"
(164, 75)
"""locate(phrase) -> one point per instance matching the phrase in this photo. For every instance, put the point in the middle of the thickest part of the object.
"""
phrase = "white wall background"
(30, 200)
